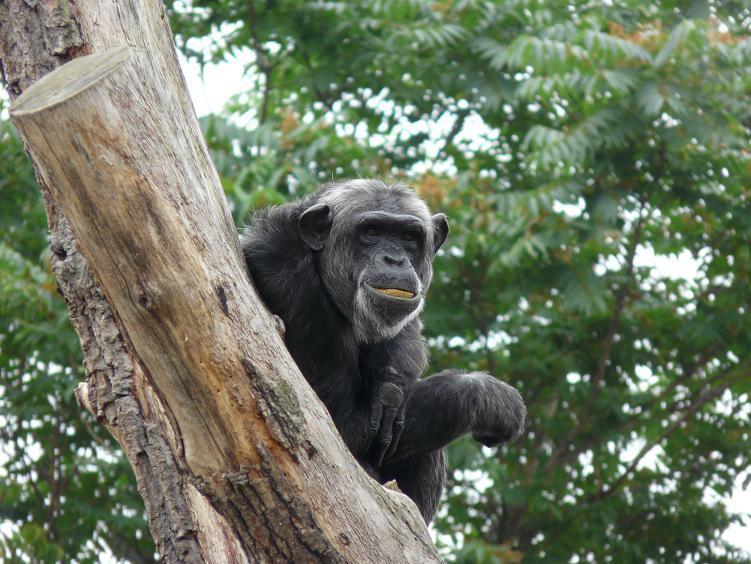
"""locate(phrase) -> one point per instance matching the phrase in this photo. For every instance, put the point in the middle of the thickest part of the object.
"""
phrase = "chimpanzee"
(347, 270)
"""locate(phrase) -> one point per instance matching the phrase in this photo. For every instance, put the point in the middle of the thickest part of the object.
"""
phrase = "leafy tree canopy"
(593, 159)
(573, 144)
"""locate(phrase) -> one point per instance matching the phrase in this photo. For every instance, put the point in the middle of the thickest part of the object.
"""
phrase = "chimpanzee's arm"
(451, 404)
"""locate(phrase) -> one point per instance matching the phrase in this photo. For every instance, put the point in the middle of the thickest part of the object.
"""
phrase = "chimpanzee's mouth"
(397, 294)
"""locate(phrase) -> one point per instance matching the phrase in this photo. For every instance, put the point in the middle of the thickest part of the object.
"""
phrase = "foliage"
(593, 159)
(66, 490)
(576, 146)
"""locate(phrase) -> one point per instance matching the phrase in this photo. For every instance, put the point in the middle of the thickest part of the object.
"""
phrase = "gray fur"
(347, 200)
(370, 326)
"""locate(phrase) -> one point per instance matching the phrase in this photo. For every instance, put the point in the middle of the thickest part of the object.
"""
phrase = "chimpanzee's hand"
(500, 419)
(386, 419)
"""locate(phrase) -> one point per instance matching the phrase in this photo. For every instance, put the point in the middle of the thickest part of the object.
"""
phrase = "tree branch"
(234, 455)
(702, 359)
(620, 304)
(264, 65)
(456, 128)
(607, 346)
(708, 395)
(479, 320)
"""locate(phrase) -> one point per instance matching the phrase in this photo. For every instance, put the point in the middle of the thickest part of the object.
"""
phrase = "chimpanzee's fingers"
(398, 428)
(385, 436)
(374, 424)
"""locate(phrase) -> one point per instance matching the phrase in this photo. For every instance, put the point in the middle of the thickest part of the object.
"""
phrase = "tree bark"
(236, 458)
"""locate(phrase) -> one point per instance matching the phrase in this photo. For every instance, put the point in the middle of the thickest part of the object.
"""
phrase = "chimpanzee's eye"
(371, 231)
(408, 236)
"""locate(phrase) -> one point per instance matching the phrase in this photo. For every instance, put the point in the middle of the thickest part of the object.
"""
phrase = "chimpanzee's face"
(375, 254)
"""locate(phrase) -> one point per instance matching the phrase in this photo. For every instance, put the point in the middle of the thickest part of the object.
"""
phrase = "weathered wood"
(36, 38)
(115, 140)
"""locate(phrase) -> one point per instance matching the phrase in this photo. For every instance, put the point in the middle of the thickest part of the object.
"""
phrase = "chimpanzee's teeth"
(396, 292)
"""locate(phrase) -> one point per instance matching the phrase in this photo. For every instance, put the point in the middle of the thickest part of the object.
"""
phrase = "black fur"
(317, 264)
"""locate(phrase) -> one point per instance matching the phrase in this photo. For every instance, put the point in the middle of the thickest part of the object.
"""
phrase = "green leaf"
(675, 39)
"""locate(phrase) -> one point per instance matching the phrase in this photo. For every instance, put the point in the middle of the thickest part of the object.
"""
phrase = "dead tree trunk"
(234, 455)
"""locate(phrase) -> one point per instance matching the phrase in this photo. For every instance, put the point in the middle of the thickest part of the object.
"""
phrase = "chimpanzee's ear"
(440, 230)
(315, 225)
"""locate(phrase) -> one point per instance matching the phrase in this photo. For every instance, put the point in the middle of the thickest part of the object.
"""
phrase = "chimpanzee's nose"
(393, 259)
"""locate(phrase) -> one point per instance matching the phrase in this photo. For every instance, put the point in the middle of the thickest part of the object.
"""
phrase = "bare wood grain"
(112, 137)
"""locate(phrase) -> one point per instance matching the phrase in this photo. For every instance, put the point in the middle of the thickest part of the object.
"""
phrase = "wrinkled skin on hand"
(386, 421)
